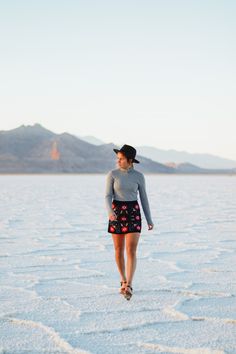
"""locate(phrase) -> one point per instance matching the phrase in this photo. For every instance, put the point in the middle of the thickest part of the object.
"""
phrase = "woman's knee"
(119, 251)
(131, 251)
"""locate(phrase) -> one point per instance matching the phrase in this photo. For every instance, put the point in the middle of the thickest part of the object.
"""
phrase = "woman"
(122, 185)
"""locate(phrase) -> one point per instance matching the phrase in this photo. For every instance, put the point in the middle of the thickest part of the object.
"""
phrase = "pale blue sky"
(158, 73)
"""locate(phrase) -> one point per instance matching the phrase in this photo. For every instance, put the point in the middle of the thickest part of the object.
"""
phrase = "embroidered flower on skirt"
(128, 217)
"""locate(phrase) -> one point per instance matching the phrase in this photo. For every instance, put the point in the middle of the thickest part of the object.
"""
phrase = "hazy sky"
(144, 72)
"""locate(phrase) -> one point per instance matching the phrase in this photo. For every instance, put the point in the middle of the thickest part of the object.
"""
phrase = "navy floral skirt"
(128, 217)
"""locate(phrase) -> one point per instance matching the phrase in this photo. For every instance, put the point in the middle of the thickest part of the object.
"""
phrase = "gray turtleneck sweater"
(123, 184)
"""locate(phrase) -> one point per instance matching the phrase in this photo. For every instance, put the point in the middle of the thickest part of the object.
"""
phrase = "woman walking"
(125, 224)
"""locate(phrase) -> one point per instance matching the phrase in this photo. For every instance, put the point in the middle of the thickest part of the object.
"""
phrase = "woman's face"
(122, 160)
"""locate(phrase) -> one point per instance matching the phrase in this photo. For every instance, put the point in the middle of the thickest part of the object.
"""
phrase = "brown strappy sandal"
(128, 292)
(123, 286)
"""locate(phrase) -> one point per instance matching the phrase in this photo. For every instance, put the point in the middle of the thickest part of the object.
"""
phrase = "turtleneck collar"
(128, 170)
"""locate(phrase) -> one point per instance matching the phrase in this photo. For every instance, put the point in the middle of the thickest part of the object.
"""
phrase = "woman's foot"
(128, 292)
(123, 286)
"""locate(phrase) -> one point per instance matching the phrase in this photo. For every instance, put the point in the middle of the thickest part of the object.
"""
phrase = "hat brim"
(117, 150)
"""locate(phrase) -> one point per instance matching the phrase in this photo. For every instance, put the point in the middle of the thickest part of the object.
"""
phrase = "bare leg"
(119, 245)
(131, 246)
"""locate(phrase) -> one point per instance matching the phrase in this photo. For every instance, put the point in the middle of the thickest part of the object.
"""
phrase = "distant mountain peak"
(36, 129)
(33, 126)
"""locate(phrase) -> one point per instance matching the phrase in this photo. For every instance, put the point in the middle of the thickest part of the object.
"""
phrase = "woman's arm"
(109, 193)
(144, 200)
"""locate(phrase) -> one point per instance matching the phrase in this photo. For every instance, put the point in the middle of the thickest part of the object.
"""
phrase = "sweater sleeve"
(109, 193)
(144, 200)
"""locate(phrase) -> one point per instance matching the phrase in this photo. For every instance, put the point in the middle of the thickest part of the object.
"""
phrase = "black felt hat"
(128, 151)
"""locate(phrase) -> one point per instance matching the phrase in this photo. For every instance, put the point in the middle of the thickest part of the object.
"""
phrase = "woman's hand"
(150, 226)
(112, 217)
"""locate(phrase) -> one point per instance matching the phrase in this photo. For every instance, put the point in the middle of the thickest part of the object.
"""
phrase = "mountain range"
(176, 157)
(35, 149)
